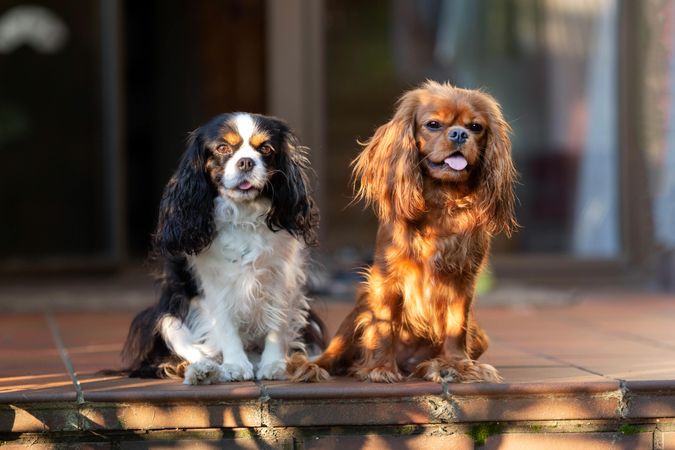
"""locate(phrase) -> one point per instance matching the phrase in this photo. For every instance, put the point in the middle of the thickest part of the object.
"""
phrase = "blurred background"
(97, 98)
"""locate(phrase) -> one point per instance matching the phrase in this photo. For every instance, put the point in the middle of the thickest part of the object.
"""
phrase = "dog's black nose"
(245, 164)
(458, 135)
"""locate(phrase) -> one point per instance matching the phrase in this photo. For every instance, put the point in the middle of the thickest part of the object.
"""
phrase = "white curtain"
(596, 215)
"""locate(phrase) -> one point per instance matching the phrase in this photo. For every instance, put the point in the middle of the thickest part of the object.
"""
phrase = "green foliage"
(485, 282)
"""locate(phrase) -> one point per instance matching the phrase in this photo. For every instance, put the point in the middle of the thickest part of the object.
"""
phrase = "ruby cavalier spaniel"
(440, 177)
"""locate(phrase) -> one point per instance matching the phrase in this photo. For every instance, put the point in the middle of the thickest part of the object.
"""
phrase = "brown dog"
(440, 177)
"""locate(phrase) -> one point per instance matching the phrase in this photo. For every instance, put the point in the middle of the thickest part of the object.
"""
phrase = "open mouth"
(245, 185)
(245, 189)
(456, 162)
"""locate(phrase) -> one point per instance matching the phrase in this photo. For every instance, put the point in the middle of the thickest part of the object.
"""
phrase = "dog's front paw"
(487, 373)
(273, 370)
(202, 372)
(379, 374)
(238, 371)
(437, 371)
(457, 370)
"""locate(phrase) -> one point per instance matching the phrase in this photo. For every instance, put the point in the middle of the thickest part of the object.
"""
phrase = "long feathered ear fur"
(293, 208)
(495, 195)
(387, 169)
(185, 224)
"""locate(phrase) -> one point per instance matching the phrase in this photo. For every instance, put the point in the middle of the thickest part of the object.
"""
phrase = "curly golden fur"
(440, 178)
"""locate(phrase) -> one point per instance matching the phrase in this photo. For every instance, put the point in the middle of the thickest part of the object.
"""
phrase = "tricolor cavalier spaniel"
(234, 223)
(440, 177)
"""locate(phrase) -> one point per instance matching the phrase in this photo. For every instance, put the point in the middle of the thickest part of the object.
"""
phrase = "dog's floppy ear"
(387, 170)
(293, 208)
(495, 196)
(185, 224)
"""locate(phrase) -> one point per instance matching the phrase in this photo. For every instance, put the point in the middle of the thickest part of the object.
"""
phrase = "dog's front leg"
(235, 365)
(273, 360)
(454, 364)
(456, 326)
(378, 325)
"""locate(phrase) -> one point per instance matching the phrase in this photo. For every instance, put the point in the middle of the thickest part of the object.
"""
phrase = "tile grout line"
(65, 358)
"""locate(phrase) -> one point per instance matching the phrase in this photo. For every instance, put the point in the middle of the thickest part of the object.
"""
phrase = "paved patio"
(581, 371)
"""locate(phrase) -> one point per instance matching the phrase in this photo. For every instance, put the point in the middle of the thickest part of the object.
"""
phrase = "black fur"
(293, 209)
(145, 350)
(185, 224)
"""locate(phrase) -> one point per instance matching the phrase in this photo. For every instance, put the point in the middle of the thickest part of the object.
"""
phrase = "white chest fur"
(250, 274)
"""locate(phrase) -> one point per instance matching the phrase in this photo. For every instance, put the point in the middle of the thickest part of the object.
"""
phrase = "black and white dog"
(234, 224)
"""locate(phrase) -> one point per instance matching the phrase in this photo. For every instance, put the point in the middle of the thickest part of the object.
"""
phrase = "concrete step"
(597, 374)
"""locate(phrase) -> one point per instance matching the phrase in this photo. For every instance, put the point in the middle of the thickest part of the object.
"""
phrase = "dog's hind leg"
(180, 340)
(476, 340)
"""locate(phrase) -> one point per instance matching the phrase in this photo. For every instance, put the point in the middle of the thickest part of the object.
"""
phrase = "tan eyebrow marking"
(232, 138)
(259, 139)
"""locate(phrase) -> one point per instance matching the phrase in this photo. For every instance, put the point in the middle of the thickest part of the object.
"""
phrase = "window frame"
(632, 266)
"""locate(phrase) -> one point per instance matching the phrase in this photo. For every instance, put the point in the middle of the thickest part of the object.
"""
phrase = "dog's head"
(242, 158)
(456, 138)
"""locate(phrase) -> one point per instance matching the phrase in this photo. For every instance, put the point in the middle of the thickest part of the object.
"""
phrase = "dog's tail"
(145, 354)
(172, 369)
(136, 350)
(113, 373)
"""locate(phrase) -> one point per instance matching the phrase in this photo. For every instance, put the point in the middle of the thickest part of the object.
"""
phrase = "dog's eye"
(224, 149)
(475, 127)
(266, 149)
(433, 125)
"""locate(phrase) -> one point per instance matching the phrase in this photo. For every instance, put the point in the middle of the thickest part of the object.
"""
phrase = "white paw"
(240, 371)
(274, 370)
(202, 372)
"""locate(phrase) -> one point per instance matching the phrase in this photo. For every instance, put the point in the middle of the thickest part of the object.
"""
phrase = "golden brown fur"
(414, 313)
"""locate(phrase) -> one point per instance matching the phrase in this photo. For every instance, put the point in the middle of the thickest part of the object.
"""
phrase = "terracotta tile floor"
(55, 356)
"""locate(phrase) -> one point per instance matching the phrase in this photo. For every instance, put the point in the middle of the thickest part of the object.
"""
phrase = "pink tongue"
(456, 162)
(245, 185)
